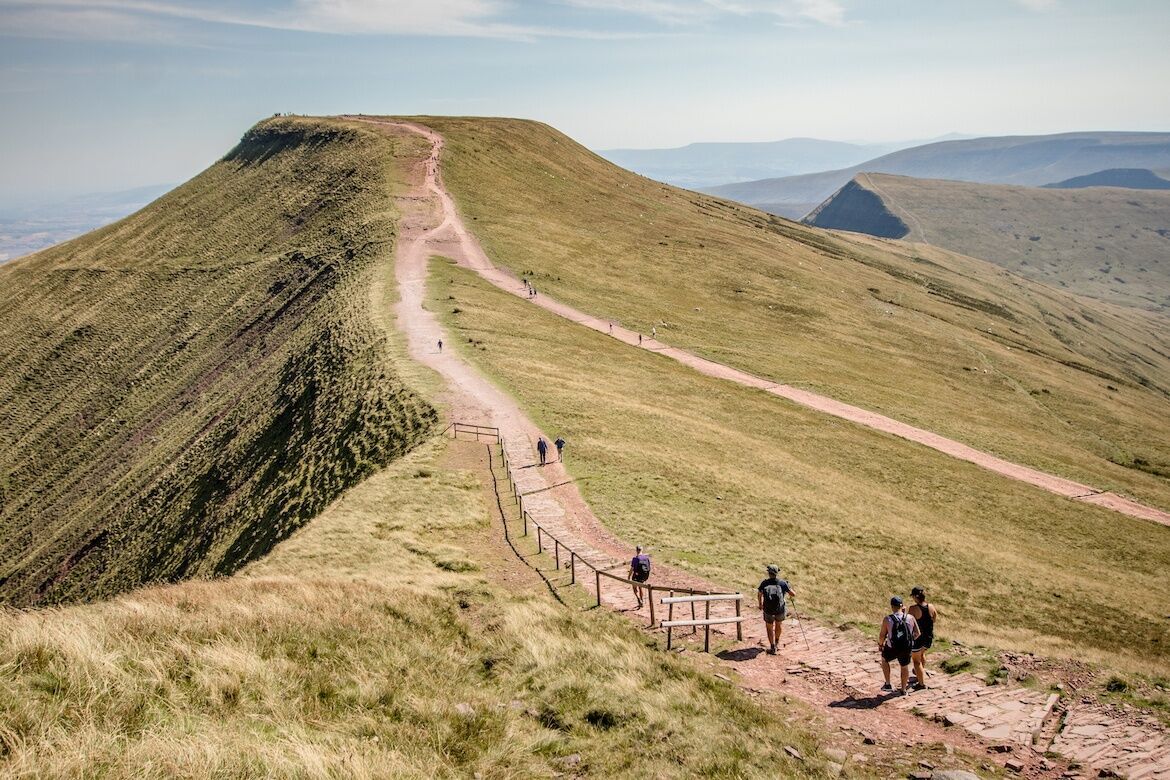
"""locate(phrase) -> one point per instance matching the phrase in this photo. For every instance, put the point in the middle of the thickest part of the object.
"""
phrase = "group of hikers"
(904, 636)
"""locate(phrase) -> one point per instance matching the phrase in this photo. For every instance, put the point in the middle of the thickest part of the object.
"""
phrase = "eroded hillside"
(186, 387)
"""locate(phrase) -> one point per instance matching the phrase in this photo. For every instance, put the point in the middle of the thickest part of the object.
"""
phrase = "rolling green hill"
(184, 388)
(1106, 242)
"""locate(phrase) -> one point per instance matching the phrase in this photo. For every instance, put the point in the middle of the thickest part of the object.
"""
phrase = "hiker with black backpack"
(542, 449)
(639, 572)
(895, 642)
(770, 596)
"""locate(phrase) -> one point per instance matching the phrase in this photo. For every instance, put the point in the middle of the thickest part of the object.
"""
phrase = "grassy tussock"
(353, 651)
(186, 387)
(720, 479)
(949, 343)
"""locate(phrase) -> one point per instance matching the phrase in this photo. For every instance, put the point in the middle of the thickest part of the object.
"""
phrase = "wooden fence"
(480, 432)
(675, 593)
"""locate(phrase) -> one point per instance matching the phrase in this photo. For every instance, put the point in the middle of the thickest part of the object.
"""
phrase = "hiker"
(654, 332)
(639, 339)
(639, 571)
(560, 442)
(440, 345)
(542, 448)
(924, 615)
(611, 328)
(770, 597)
(896, 638)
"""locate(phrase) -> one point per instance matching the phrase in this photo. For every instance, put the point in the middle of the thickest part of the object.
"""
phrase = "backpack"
(774, 597)
(899, 635)
(642, 565)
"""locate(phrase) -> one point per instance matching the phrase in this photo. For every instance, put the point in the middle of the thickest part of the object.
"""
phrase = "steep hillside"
(1029, 160)
(1131, 178)
(183, 389)
(859, 208)
(1110, 243)
(946, 342)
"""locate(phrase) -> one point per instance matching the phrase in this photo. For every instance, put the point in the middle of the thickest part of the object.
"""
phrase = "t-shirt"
(784, 589)
(911, 624)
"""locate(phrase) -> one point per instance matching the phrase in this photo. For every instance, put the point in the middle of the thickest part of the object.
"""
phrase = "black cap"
(917, 591)
(895, 601)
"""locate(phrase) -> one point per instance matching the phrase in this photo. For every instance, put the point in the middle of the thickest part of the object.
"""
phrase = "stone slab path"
(1007, 714)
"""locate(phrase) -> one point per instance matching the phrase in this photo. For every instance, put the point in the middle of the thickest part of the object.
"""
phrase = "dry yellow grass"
(375, 642)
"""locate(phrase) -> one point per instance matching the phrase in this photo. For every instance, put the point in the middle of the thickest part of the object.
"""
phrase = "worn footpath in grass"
(376, 642)
(953, 344)
(720, 479)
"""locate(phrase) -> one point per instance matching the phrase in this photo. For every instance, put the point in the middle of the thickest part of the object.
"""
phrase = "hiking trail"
(839, 669)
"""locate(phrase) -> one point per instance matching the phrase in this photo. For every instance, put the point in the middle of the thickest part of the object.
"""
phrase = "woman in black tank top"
(924, 614)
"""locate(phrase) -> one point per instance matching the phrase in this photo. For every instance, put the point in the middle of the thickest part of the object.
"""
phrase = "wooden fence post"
(525, 517)
(651, 589)
(597, 576)
(694, 629)
(539, 541)
(739, 613)
(557, 552)
(572, 568)
(670, 611)
(707, 628)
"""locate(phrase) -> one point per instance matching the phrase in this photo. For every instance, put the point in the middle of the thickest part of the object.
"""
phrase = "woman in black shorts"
(923, 614)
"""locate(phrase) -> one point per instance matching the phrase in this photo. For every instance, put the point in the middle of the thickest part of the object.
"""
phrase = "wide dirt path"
(822, 665)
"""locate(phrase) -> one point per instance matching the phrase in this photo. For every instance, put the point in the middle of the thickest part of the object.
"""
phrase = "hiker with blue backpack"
(896, 640)
(639, 572)
(770, 596)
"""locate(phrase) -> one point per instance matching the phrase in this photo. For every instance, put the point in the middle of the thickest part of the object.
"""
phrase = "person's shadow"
(862, 702)
(743, 654)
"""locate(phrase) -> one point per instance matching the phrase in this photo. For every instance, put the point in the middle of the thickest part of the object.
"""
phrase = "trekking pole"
(800, 624)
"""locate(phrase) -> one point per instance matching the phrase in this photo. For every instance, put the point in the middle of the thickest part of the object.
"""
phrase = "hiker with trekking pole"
(770, 598)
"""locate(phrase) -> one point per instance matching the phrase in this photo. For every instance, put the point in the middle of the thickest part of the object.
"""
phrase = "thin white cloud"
(682, 12)
(125, 19)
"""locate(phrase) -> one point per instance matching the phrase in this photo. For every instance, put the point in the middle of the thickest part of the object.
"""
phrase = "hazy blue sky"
(117, 93)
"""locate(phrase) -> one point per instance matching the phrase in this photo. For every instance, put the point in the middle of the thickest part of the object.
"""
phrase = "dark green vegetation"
(1109, 243)
(1029, 160)
(181, 390)
(945, 342)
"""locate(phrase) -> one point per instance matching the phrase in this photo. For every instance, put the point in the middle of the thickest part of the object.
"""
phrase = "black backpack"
(899, 635)
(774, 597)
(642, 566)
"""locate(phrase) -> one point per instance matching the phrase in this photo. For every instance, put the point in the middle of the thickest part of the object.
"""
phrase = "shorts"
(890, 654)
(640, 577)
(922, 643)
(772, 617)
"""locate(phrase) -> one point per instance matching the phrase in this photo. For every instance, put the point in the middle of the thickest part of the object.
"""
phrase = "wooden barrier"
(479, 431)
(670, 623)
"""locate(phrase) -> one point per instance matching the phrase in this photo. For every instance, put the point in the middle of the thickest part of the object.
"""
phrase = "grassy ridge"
(942, 341)
(720, 479)
(376, 642)
(186, 387)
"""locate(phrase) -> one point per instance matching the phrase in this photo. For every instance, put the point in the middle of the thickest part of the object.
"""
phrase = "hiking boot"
(920, 686)
(887, 688)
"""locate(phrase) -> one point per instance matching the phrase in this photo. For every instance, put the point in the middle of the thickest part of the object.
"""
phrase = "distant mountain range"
(1105, 242)
(27, 230)
(1027, 160)
(710, 164)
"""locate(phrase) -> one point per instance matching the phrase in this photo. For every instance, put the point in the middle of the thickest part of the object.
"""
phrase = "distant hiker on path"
(611, 328)
(654, 332)
(770, 597)
(542, 449)
(560, 442)
(639, 571)
(440, 345)
(895, 640)
(923, 614)
(639, 339)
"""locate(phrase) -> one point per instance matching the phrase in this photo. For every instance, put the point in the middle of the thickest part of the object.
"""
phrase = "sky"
(112, 94)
